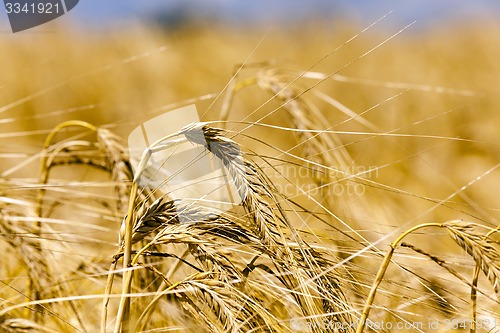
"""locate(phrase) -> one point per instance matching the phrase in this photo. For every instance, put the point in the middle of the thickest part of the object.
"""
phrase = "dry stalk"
(473, 291)
(20, 325)
(486, 256)
(118, 164)
(256, 197)
(220, 306)
(296, 267)
(115, 161)
(30, 249)
(270, 222)
(381, 272)
(45, 165)
(319, 149)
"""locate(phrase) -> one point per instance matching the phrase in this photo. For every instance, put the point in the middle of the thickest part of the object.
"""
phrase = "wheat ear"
(486, 256)
(300, 271)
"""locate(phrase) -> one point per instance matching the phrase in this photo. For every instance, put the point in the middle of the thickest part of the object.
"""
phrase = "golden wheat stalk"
(296, 267)
(486, 256)
(30, 249)
(300, 270)
(21, 325)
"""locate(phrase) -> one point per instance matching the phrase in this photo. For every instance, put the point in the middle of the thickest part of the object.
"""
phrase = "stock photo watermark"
(489, 324)
(334, 181)
(172, 165)
(27, 14)
(183, 167)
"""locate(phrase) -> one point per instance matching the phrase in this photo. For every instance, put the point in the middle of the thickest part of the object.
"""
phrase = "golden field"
(349, 139)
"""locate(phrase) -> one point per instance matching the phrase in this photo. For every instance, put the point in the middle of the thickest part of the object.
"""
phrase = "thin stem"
(383, 269)
(146, 314)
(124, 308)
(473, 290)
(473, 299)
(43, 178)
(44, 168)
(107, 292)
(123, 316)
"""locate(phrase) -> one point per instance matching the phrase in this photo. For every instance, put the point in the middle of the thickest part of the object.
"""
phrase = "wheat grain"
(30, 249)
(486, 256)
(118, 164)
(21, 325)
(298, 268)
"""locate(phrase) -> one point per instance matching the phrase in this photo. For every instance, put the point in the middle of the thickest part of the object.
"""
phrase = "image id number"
(39, 8)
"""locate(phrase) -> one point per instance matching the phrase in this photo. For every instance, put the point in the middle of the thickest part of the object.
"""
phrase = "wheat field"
(364, 160)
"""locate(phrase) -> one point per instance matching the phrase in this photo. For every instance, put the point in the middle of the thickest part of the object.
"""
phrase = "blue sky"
(261, 10)
(97, 14)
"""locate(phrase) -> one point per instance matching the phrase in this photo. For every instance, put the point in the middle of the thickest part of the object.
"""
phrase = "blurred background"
(118, 62)
(92, 14)
(423, 76)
